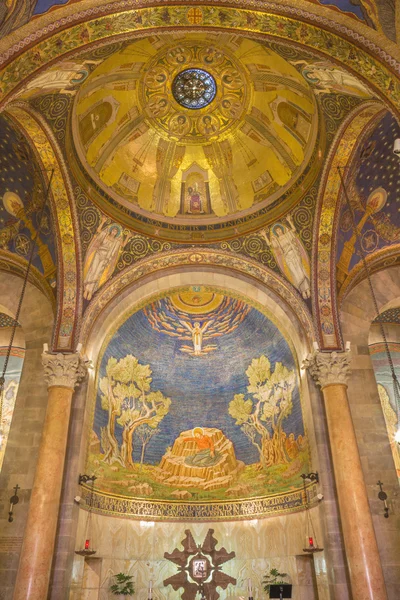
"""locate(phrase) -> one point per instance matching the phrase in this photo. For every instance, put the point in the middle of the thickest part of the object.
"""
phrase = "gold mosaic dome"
(195, 129)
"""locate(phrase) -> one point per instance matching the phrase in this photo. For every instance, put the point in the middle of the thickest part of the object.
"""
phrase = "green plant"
(123, 586)
(273, 578)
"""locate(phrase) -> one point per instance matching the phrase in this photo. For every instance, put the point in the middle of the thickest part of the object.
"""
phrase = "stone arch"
(324, 250)
(65, 220)
(114, 295)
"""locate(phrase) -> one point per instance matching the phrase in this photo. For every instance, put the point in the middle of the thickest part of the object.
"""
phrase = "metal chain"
(21, 298)
(396, 384)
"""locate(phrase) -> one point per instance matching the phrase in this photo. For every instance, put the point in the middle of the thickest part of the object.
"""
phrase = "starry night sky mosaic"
(19, 175)
(375, 166)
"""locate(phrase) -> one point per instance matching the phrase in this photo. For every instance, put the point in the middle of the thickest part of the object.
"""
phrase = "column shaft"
(37, 549)
(62, 373)
(367, 582)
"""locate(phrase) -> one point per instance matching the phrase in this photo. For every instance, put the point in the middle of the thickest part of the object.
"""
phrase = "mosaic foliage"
(362, 10)
(197, 397)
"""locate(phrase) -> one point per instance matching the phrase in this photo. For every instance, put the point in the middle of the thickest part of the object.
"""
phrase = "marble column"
(62, 373)
(331, 372)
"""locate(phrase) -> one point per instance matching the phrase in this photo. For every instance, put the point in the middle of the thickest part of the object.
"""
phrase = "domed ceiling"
(197, 402)
(195, 128)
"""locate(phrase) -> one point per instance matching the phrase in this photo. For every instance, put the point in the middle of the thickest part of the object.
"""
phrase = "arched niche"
(133, 297)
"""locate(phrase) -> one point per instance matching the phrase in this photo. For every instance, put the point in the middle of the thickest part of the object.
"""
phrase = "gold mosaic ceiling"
(161, 160)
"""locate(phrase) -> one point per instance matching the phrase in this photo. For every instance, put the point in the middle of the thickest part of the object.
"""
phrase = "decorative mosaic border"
(233, 510)
(69, 33)
(341, 24)
(66, 228)
(324, 256)
(196, 257)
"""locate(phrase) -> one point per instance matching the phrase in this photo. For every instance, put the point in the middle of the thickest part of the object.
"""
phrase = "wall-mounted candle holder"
(383, 496)
(13, 501)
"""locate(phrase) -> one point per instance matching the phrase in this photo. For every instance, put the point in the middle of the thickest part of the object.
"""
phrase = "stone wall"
(357, 315)
(21, 452)
(137, 548)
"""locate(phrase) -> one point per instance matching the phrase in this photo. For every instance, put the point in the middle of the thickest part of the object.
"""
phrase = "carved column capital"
(328, 368)
(64, 370)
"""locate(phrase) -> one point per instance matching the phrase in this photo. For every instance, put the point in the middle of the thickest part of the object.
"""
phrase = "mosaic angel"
(102, 256)
(290, 255)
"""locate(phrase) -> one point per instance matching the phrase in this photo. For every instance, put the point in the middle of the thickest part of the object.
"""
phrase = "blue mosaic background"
(200, 387)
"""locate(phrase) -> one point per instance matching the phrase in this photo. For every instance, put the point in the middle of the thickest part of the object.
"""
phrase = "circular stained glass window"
(194, 88)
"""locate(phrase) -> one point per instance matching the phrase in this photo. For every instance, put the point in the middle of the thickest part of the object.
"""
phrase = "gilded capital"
(64, 370)
(328, 368)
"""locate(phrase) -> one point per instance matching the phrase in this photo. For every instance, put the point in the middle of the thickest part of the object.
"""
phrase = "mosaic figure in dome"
(102, 256)
(14, 14)
(97, 118)
(326, 80)
(296, 121)
(63, 80)
(195, 192)
(290, 255)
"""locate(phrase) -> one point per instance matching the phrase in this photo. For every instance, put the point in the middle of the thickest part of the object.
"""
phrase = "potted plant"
(123, 585)
(274, 578)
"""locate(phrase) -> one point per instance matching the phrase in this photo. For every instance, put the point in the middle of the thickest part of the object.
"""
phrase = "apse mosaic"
(197, 400)
(374, 193)
(243, 135)
(21, 194)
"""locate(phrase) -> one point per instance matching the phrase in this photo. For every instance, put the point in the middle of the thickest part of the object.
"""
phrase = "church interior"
(199, 299)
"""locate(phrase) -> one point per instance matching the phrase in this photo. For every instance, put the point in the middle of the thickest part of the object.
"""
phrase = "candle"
(250, 589)
(310, 542)
(150, 588)
(87, 544)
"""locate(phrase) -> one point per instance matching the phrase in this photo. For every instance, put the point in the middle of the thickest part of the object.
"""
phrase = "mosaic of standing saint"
(190, 128)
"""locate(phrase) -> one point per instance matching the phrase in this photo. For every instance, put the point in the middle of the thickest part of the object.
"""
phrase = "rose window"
(194, 88)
